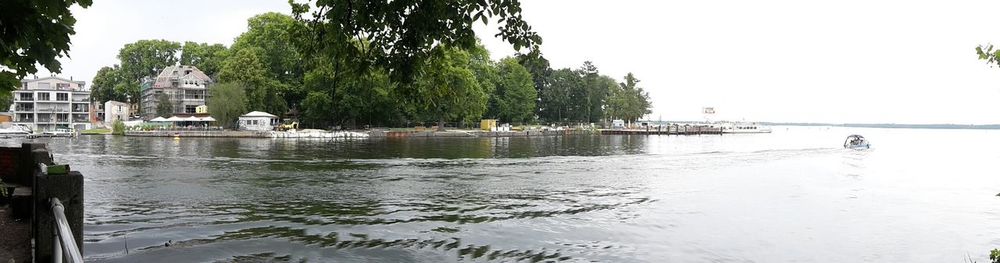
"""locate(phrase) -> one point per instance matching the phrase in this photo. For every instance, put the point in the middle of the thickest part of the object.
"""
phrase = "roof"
(258, 114)
(82, 83)
(178, 72)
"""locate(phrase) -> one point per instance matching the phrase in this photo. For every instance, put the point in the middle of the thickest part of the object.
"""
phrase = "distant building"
(257, 121)
(49, 103)
(185, 86)
(115, 110)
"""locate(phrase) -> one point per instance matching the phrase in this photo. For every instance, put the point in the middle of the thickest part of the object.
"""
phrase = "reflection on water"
(789, 196)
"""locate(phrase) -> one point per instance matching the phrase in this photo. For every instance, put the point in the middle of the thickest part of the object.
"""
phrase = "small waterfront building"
(50, 103)
(257, 121)
(115, 110)
(185, 86)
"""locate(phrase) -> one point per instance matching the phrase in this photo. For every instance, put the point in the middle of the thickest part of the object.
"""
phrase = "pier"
(666, 130)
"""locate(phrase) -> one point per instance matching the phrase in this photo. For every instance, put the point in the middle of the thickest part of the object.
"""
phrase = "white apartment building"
(51, 103)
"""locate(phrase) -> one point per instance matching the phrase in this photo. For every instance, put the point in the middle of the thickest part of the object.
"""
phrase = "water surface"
(790, 196)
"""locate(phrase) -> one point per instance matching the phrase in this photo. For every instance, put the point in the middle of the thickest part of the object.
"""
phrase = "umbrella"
(192, 118)
(158, 119)
(209, 118)
(174, 119)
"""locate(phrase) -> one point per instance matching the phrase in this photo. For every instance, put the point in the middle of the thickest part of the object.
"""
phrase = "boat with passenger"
(857, 142)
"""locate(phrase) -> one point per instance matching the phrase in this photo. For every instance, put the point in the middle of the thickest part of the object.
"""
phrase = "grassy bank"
(95, 132)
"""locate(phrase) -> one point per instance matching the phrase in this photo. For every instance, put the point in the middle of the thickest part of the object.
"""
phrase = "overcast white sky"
(791, 61)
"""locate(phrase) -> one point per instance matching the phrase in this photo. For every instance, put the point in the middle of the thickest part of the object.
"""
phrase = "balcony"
(54, 110)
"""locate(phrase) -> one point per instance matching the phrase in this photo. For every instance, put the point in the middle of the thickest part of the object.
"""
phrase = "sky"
(843, 61)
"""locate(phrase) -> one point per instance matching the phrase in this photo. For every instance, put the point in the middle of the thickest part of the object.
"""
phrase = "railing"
(64, 242)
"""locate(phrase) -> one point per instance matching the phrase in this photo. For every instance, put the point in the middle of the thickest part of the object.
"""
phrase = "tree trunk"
(441, 124)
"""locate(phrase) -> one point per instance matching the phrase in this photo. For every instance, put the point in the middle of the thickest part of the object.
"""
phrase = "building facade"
(257, 121)
(186, 87)
(115, 110)
(51, 103)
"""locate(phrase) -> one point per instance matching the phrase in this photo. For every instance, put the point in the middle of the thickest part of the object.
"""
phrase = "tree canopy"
(446, 89)
(206, 57)
(514, 97)
(228, 103)
(404, 33)
(33, 32)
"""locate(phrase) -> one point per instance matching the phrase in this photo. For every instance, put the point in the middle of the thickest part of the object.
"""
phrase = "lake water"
(791, 196)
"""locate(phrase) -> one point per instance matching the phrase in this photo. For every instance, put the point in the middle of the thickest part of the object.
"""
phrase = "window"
(62, 86)
(190, 108)
(43, 85)
(62, 96)
(44, 96)
(25, 96)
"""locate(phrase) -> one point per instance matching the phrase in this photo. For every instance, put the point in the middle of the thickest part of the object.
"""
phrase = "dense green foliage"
(402, 34)
(628, 102)
(33, 32)
(118, 127)
(164, 108)
(206, 57)
(6, 99)
(513, 99)
(445, 89)
(228, 103)
(385, 64)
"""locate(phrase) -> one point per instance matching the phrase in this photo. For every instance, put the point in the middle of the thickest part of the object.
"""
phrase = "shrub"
(118, 128)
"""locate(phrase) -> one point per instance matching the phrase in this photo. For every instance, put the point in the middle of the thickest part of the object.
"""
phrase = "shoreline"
(694, 130)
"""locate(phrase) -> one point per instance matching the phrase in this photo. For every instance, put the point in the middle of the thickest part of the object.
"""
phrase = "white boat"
(61, 132)
(14, 130)
(856, 142)
(742, 127)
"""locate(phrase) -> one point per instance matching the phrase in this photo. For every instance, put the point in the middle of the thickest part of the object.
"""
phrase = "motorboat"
(14, 130)
(856, 142)
(61, 132)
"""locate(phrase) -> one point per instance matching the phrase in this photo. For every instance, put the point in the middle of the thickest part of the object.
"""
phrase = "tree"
(402, 34)
(6, 99)
(146, 58)
(164, 107)
(246, 68)
(206, 57)
(109, 84)
(33, 32)
(557, 101)
(118, 127)
(271, 33)
(515, 93)
(541, 74)
(316, 109)
(446, 89)
(628, 102)
(227, 104)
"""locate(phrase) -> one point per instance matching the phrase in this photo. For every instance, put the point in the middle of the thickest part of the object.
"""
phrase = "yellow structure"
(201, 109)
(488, 124)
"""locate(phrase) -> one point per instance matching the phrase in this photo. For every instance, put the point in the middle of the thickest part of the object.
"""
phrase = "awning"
(209, 118)
(174, 119)
(158, 119)
(192, 118)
